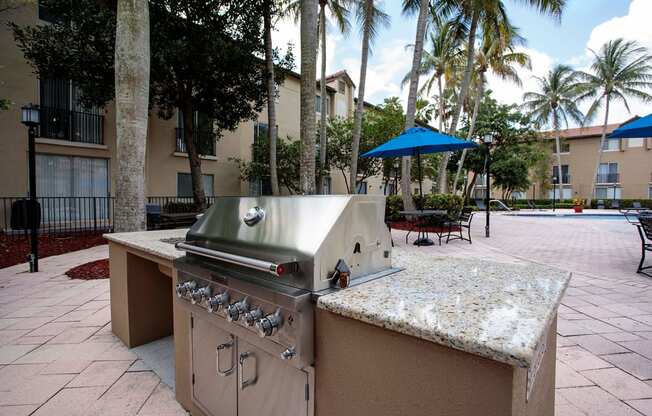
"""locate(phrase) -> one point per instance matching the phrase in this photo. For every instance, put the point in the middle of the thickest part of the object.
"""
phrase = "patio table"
(439, 215)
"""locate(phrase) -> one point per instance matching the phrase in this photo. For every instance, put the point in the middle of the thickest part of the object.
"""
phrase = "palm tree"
(487, 15)
(620, 69)
(132, 58)
(272, 133)
(410, 7)
(555, 103)
(498, 55)
(308, 12)
(369, 18)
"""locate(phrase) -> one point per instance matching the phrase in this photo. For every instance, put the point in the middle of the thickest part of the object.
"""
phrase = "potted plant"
(578, 205)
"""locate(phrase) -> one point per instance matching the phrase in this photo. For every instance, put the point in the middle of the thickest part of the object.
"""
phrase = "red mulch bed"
(407, 226)
(98, 269)
(14, 249)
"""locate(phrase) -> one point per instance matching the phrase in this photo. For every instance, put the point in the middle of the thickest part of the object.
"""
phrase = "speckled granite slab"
(158, 243)
(495, 310)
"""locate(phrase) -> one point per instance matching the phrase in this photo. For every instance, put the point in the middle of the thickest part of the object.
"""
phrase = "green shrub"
(451, 203)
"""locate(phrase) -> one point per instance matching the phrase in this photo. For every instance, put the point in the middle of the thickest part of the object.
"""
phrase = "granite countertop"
(498, 311)
(158, 243)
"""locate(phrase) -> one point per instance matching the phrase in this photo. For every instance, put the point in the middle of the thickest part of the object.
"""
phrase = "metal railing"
(608, 178)
(203, 140)
(178, 204)
(60, 215)
(73, 126)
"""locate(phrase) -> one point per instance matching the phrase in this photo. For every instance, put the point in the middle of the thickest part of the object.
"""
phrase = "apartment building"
(625, 170)
(76, 145)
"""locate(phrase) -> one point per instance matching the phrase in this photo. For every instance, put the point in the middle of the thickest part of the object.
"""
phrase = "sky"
(585, 24)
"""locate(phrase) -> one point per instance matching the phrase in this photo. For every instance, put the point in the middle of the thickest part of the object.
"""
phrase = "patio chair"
(645, 232)
(153, 213)
(636, 205)
(531, 204)
(600, 204)
(480, 204)
(462, 222)
(615, 204)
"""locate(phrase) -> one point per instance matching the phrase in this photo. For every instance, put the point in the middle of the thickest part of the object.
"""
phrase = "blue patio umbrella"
(417, 141)
(635, 129)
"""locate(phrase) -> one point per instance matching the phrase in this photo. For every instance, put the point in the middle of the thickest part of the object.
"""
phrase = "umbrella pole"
(420, 180)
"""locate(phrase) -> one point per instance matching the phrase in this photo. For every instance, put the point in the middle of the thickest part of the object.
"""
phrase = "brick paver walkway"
(58, 356)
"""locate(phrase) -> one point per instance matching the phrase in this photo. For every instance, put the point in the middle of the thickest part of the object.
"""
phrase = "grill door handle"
(226, 345)
(249, 262)
(248, 382)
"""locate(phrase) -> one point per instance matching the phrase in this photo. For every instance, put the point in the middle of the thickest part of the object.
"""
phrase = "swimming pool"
(613, 217)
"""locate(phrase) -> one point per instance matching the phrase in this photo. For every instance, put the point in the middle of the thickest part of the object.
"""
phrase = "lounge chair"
(463, 221)
(615, 204)
(531, 204)
(636, 205)
(600, 204)
(480, 204)
(645, 232)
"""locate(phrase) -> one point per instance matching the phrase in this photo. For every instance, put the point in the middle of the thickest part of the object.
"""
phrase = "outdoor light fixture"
(487, 140)
(554, 196)
(30, 117)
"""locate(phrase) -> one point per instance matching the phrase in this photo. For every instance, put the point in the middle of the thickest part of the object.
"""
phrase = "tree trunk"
(474, 117)
(308, 81)
(464, 88)
(469, 187)
(132, 58)
(194, 160)
(323, 140)
(558, 151)
(602, 139)
(408, 202)
(272, 132)
(357, 118)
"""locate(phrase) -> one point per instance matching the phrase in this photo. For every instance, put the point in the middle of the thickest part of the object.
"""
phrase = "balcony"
(72, 126)
(203, 140)
(608, 178)
(565, 179)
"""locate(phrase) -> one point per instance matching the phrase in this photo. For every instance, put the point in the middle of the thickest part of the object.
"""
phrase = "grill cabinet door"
(215, 393)
(268, 386)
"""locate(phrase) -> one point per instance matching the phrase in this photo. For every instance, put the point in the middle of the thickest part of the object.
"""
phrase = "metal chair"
(600, 204)
(462, 222)
(645, 232)
(615, 204)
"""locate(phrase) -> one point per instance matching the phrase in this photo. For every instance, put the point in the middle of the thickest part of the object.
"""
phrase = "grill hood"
(313, 232)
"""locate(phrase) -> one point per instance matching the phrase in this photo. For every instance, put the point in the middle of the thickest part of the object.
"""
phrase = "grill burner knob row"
(216, 302)
(268, 325)
(252, 316)
(197, 295)
(186, 287)
(234, 310)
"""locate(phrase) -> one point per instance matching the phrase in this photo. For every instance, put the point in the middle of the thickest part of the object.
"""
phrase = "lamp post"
(487, 140)
(30, 117)
(554, 189)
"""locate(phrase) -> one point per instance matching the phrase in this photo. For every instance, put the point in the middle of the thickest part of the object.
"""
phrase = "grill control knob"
(268, 325)
(289, 353)
(252, 316)
(216, 302)
(184, 288)
(197, 295)
(234, 310)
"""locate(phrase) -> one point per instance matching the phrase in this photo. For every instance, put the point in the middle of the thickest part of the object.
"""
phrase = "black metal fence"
(177, 204)
(59, 215)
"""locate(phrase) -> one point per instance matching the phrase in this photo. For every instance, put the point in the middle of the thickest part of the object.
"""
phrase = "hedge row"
(450, 203)
(568, 203)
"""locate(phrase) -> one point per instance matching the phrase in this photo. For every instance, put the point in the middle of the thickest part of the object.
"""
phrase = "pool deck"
(58, 356)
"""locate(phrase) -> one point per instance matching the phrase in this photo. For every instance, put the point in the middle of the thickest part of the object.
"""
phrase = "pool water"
(613, 217)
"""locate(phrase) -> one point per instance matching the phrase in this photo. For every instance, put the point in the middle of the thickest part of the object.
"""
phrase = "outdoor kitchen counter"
(157, 243)
(499, 311)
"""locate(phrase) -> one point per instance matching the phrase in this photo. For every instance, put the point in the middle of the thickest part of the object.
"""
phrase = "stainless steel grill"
(252, 271)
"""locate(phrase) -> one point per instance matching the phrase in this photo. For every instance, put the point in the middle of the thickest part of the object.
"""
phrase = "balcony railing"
(72, 126)
(608, 178)
(203, 140)
(565, 179)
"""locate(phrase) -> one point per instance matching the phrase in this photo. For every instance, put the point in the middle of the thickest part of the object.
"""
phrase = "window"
(556, 193)
(259, 154)
(564, 147)
(519, 195)
(636, 142)
(63, 117)
(607, 192)
(327, 185)
(608, 173)
(341, 87)
(203, 135)
(184, 185)
(649, 192)
(318, 104)
(389, 188)
(565, 177)
(610, 145)
(361, 187)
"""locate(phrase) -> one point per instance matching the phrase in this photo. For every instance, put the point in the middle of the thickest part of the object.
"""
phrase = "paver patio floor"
(58, 356)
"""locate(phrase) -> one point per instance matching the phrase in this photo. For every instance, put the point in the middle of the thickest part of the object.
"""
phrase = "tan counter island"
(447, 337)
